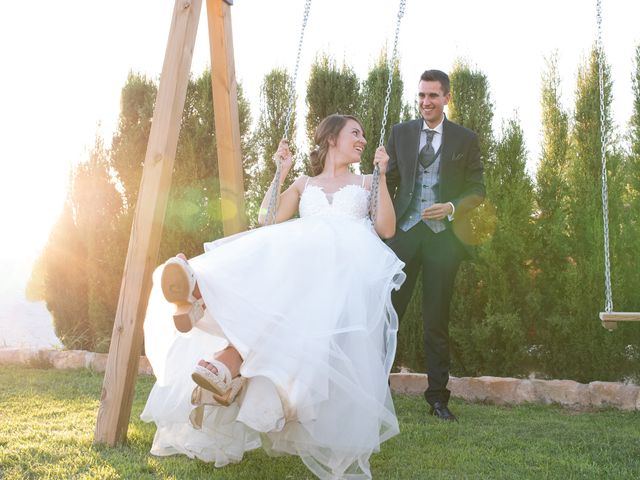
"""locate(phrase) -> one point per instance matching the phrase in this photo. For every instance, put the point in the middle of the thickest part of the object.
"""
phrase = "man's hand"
(437, 211)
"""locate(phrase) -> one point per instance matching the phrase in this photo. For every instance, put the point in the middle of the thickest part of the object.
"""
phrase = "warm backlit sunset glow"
(64, 67)
(34, 192)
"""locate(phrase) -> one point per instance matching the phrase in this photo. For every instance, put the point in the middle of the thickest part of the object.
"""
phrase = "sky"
(64, 64)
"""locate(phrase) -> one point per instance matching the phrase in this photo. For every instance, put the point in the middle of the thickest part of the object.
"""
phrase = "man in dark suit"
(435, 179)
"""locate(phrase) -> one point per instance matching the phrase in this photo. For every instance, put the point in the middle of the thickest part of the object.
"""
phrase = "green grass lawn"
(47, 419)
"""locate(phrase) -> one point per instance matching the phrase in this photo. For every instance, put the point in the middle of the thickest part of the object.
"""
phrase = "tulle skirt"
(307, 303)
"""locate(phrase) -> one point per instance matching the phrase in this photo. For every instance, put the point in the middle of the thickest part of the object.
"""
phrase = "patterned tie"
(427, 155)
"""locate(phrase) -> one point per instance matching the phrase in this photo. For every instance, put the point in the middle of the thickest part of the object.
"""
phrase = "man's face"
(431, 101)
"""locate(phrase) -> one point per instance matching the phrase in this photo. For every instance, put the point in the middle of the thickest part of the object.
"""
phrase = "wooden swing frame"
(127, 337)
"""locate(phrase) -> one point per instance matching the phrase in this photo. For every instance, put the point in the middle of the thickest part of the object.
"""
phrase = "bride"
(294, 332)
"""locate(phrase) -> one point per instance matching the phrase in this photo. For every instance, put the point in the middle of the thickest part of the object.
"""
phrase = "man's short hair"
(437, 76)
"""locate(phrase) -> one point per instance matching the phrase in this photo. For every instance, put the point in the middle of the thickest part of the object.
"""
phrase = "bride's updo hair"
(328, 130)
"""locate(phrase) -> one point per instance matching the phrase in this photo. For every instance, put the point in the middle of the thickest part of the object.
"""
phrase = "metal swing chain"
(275, 191)
(605, 195)
(375, 182)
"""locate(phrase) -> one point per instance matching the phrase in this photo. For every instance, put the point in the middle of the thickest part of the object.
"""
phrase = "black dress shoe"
(441, 410)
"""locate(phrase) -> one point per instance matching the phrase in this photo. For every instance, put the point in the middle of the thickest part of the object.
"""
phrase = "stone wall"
(64, 359)
(515, 391)
(491, 390)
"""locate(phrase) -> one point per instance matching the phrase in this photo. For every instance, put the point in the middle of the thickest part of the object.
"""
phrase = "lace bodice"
(351, 201)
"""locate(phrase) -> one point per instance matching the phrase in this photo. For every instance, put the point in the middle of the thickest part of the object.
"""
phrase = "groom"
(435, 179)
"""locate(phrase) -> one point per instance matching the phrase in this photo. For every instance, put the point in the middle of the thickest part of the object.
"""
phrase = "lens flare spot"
(481, 226)
(229, 209)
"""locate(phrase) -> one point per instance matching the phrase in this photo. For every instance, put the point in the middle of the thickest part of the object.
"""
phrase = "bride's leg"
(229, 357)
(220, 376)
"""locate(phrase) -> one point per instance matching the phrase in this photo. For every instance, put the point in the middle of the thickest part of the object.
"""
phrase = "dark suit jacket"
(461, 180)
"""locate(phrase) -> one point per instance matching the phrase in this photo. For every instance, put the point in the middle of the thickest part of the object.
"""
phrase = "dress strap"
(307, 182)
(365, 179)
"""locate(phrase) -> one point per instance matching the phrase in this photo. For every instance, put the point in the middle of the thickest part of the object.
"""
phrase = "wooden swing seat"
(610, 319)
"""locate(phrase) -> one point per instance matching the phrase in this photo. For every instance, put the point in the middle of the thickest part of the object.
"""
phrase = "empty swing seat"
(610, 319)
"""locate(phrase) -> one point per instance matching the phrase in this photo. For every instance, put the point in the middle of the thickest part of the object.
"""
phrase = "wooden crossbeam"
(610, 319)
(126, 341)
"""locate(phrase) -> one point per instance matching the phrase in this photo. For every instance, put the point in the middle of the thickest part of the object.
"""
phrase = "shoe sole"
(203, 382)
(175, 284)
(175, 288)
(220, 400)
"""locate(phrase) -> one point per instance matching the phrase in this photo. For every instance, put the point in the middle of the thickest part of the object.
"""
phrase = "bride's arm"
(385, 225)
(287, 202)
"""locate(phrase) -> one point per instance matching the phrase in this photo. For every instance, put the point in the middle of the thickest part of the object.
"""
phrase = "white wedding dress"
(307, 303)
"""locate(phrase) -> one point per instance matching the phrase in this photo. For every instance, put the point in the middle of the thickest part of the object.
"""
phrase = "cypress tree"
(583, 350)
(81, 265)
(129, 143)
(551, 248)
(65, 281)
(626, 296)
(194, 213)
(497, 344)
(98, 207)
(330, 90)
(374, 90)
(471, 107)
(626, 280)
(83, 258)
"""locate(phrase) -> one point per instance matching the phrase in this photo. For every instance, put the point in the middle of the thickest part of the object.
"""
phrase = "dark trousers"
(438, 256)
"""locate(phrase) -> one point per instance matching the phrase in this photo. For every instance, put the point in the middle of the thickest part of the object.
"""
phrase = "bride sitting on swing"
(287, 330)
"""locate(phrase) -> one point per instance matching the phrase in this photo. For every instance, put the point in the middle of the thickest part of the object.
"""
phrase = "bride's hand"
(381, 159)
(283, 156)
